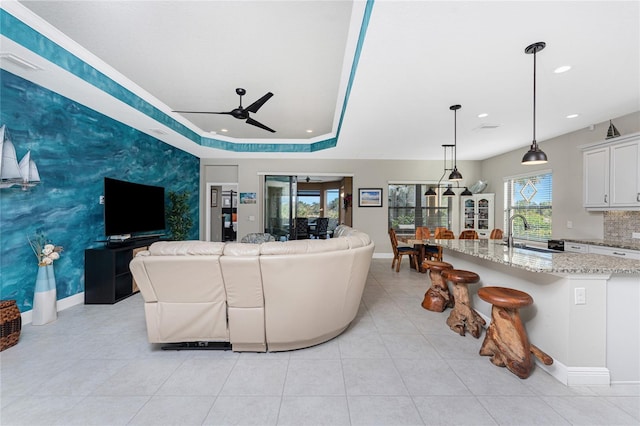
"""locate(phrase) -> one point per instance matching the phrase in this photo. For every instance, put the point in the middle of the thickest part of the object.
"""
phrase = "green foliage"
(403, 220)
(178, 217)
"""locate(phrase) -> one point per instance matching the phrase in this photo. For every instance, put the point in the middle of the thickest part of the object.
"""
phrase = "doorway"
(288, 197)
(222, 214)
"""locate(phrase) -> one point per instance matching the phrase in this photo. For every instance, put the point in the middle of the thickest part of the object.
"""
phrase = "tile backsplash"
(618, 225)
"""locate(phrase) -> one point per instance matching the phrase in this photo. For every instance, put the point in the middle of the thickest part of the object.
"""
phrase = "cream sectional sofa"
(272, 296)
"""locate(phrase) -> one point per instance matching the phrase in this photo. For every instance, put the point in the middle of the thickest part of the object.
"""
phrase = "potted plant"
(178, 216)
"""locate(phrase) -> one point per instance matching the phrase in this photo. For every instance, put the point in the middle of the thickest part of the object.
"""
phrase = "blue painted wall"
(74, 148)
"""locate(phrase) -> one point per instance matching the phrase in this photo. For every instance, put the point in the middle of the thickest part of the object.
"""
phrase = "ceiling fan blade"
(203, 112)
(254, 107)
(257, 124)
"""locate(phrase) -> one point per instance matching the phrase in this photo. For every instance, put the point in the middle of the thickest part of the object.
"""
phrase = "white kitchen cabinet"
(617, 252)
(476, 213)
(611, 174)
(576, 247)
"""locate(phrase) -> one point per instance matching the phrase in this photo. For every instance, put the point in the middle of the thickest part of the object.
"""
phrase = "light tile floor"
(398, 364)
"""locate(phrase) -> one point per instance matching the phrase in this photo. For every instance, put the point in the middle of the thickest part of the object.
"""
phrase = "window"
(409, 207)
(530, 196)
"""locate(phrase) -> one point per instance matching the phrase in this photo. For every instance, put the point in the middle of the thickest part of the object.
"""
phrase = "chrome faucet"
(510, 236)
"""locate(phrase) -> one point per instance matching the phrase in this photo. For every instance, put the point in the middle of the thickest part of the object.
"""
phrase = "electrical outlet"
(569, 224)
(101, 201)
(581, 296)
(635, 235)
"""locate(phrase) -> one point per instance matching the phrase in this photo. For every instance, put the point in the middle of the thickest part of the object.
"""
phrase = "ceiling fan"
(240, 112)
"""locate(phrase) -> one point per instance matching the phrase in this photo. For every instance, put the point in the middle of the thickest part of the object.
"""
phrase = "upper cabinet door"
(625, 175)
(596, 177)
(612, 174)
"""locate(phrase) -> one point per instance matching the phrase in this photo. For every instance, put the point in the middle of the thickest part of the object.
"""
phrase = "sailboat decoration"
(14, 173)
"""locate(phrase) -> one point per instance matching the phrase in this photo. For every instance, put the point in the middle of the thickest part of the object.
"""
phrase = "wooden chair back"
(440, 231)
(447, 235)
(468, 234)
(496, 234)
(423, 233)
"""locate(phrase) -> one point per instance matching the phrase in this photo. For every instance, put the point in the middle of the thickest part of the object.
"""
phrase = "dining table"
(424, 247)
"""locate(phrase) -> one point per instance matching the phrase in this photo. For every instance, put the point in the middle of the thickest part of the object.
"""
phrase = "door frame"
(207, 228)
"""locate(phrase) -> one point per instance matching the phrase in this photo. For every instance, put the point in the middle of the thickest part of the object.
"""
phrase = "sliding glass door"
(280, 199)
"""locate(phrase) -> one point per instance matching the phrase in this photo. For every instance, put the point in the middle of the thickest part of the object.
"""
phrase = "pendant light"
(455, 174)
(535, 155)
(430, 192)
(449, 192)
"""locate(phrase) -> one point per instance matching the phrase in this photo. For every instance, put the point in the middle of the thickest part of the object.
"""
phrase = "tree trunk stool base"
(463, 317)
(437, 298)
(506, 341)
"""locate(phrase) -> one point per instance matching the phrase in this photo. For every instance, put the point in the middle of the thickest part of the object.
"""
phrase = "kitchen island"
(586, 306)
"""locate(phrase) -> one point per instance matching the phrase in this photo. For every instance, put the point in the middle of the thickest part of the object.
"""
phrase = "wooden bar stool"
(437, 298)
(463, 316)
(506, 341)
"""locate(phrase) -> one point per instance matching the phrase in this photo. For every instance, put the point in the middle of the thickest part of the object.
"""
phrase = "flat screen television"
(132, 208)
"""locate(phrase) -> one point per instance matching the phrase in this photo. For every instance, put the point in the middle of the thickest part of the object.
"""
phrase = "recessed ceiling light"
(224, 130)
(562, 69)
(572, 115)
(309, 131)
(483, 115)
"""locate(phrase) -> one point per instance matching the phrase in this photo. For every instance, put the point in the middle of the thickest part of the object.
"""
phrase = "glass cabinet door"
(469, 214)
(483, 214)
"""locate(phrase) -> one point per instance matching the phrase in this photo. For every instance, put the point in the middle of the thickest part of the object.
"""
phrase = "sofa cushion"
(357, 239)
(304, 246)
(186, 248)
(241, 249)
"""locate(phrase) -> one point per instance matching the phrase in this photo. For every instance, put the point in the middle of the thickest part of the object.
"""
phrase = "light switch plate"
(635, 235)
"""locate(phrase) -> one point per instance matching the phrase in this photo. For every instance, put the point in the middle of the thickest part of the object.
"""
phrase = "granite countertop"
(606, 243)
(556, 262)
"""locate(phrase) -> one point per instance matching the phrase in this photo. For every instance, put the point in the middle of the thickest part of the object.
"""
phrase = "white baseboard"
(383, 255)
(61, 305)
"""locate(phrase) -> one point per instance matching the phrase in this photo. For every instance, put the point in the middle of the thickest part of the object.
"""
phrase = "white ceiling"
(417, 58)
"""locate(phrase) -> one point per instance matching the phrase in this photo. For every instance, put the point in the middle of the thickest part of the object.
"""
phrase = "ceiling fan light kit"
(242, 113)
(535, 155)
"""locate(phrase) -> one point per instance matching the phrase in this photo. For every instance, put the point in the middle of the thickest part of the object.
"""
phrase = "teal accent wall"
(74, 148)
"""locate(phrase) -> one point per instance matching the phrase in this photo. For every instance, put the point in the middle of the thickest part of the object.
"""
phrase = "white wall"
(366, 174)
(565, 160)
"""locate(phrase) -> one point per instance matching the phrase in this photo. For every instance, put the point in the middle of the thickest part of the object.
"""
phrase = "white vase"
(44, 297)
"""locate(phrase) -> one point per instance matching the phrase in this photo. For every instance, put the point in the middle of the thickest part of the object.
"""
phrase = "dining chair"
(468, 234)
(301, 228)
(398, 252)
(322, 226)
(442, 233)
(423, 233)
(496, 234)
(429, 252)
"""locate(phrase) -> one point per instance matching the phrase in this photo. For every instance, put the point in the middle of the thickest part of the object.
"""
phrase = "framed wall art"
(369, 197)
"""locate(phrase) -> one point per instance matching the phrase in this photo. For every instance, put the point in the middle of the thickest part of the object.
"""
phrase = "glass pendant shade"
(448, 193)
(430, 192)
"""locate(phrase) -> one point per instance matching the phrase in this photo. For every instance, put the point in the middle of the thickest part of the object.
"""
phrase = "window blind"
(530, 196)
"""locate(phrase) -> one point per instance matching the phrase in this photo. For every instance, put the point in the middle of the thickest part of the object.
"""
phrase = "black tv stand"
(107, 278)
(133, 241)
